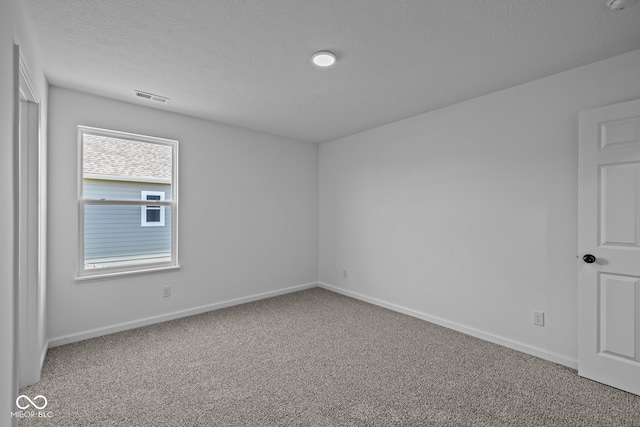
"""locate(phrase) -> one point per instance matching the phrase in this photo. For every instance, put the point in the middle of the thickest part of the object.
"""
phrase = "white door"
(609, 229)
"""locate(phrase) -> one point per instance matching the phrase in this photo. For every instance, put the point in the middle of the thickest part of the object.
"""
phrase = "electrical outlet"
(538, 318)
(345, 273)
(166, 291)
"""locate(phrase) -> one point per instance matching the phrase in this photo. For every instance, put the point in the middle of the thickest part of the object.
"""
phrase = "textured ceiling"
(247, 62)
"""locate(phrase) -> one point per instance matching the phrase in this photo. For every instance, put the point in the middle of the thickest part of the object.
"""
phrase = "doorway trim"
(30, 219)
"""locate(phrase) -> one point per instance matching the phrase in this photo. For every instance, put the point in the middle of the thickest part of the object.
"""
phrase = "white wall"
(468, 214)
(248, 218)
(13, 29)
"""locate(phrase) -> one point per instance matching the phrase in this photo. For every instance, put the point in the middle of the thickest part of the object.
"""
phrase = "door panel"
(619, 197)
(609, 228)
(619, 133)
(617, 305)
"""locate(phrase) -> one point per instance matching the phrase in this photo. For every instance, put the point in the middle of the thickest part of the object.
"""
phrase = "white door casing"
(30, 231)
(609, 229)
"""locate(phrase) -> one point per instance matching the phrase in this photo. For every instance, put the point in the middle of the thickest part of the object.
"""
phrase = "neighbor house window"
(128, 203)
(152, 216)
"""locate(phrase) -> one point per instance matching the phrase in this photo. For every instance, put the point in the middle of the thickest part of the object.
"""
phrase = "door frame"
(30, 219)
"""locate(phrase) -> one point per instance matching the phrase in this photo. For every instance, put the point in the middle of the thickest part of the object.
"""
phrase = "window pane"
(153, 214)
(120, 166)
(114, 168)
(114, 237)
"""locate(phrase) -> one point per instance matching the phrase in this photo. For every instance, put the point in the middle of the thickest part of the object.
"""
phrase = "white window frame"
(137, 268)
(143, 209)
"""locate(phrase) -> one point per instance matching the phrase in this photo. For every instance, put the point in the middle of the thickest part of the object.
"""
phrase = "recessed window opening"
(120, 232)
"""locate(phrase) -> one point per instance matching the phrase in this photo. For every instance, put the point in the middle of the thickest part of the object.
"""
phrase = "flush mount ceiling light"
(620, 4)
(323, 59)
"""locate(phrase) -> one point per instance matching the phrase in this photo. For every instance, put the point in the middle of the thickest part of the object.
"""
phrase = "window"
(120, 232)
(152, 216)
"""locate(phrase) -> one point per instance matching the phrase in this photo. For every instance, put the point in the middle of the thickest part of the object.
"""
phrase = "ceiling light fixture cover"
(620, 4)
(323, 58)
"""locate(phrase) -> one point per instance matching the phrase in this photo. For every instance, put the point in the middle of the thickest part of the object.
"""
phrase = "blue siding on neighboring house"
(115, 232)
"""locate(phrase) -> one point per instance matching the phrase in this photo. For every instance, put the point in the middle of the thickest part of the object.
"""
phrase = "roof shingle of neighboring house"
(103, 155)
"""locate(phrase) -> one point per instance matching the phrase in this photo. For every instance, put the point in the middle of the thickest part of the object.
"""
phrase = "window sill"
(118, 274)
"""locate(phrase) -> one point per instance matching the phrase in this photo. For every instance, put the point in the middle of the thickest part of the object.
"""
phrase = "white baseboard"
(496, 339)
(93, 333)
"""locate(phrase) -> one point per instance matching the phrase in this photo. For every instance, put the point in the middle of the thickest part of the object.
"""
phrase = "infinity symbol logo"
(22, 396)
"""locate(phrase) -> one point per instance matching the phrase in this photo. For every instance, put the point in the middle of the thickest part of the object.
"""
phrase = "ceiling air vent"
(151, 97)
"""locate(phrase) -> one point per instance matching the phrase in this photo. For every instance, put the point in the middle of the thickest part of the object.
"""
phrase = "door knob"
(589, 259)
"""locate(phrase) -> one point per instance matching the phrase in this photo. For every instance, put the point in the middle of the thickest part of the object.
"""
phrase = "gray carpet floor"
(314, 358)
